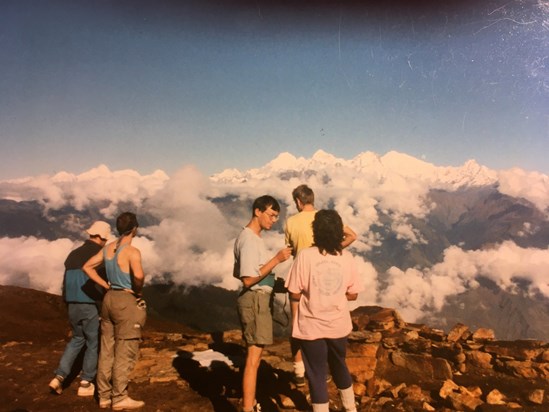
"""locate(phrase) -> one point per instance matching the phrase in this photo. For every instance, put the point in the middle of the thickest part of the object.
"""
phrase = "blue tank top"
(117, 278)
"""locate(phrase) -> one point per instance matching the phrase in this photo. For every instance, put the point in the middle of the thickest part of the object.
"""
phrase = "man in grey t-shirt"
(254, 268)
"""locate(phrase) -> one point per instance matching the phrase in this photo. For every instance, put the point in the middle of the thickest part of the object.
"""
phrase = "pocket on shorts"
(132, 327)
(245, 307)
(263, 303)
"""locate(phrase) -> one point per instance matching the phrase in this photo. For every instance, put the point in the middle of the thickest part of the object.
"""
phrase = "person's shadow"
(221, 382)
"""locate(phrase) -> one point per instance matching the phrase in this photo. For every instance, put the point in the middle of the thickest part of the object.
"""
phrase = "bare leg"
(249, 378)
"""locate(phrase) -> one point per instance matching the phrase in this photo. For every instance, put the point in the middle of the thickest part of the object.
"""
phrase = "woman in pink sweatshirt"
(323, 278)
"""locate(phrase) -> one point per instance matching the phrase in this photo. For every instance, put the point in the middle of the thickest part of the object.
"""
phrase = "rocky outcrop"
(387, 355)
(395, 366)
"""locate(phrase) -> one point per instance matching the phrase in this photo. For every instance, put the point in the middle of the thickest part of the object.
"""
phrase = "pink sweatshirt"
(323, 281)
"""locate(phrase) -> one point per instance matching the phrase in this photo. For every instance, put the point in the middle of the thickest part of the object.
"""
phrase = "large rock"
(423, 365)
(376, 318)
(457, 332)
(480, 359)
(522, 350)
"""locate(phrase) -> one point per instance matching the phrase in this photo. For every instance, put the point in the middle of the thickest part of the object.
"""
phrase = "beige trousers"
(121, 324)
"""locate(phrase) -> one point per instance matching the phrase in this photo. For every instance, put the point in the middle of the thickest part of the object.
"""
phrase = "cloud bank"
(79, 191)
(192, 240)
(416, 292)
(34, 263)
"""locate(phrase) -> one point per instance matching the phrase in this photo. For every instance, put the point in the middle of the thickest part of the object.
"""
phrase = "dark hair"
(264, 202)
(305, 195)
(126, 222)
(328, 232)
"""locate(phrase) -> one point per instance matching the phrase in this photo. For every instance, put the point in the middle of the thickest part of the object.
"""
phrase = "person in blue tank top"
(253, 266)
(123, 314)
(82, 296)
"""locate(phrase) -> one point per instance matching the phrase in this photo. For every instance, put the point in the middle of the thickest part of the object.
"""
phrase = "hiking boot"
(299, 381)
(126, 404)
(86, 389)
(56, 384)
(104, 403)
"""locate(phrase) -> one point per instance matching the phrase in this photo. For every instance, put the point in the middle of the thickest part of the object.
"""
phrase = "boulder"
(423, 365)
(457, 332)
(495, 397)
(483, 334)
(537, 396)
(480, 359)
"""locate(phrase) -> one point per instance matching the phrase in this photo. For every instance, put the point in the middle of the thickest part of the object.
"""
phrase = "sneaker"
(104, 403)
(255, 408)
(127, 403)
(86, 389)
(299, 381)
(56, 385)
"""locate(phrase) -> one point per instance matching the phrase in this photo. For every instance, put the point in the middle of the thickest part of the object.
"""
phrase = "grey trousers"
(121, 325)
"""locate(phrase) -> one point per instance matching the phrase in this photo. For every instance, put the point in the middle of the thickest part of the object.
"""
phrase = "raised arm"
(267, 268)
(349, 236)
(90, 269)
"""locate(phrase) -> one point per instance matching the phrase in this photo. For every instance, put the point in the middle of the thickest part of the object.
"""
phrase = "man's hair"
(305, 195)
(328, 232)
(126, 222)
(264, 202)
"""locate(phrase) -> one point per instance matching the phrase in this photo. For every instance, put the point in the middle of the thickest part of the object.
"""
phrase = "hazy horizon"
(148, 85)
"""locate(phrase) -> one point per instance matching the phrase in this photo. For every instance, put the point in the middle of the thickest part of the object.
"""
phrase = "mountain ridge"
(425, 233)
(469, 174)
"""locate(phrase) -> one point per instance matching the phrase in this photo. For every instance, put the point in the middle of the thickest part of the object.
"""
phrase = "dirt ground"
(34, 330)
(33, 334)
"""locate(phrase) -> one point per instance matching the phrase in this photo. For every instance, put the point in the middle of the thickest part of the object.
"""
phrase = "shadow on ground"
(222, 383)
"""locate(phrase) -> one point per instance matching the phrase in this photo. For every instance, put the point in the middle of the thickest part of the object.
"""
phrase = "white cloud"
(532, 186)
(193, 241)
(405, 231)
(503, 264)
(414, 292)
(98, 185)
(369, 277)
(34, 263)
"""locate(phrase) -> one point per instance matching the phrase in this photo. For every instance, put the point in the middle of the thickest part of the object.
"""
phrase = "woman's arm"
(349, 236)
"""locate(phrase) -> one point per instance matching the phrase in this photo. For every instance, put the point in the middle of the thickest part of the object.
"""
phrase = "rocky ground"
(395, 366)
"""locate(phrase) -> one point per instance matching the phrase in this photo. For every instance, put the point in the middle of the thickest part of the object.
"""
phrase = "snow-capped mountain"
(370, 164)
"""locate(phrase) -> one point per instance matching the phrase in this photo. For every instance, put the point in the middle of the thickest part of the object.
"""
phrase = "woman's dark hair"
(264, 202)
(328, 232)
(126, 222)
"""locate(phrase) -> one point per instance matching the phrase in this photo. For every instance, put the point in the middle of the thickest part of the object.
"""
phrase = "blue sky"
(222, 84)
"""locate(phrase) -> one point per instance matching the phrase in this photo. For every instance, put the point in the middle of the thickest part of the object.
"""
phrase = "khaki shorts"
(256, 319)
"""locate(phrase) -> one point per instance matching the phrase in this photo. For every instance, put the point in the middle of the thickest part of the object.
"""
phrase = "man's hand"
(283, 254)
